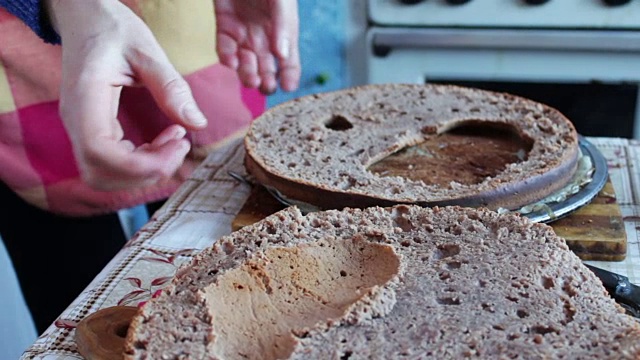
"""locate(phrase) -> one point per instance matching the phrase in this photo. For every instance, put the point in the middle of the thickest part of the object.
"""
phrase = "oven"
(579, 56)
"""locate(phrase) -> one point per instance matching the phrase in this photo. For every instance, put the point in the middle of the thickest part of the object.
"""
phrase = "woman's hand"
(105, 47)
(259, 38)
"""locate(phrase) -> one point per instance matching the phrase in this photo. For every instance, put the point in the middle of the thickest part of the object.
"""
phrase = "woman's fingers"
(267, 73)
(259, 39)
(106, 160)
(144, 166)
(101, 54)
(289, 73)
(227, 49)
(248, 68)
(284, 42)
(173, 132)
(169, 89)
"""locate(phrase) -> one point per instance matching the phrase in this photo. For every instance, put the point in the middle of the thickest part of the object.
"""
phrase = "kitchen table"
(203, 209)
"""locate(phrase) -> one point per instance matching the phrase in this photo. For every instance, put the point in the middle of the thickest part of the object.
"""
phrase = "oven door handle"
(582, 40)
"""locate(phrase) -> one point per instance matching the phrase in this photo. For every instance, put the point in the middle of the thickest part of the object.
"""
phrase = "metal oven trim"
(575, 40)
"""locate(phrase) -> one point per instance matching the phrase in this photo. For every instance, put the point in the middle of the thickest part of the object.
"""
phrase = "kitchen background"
(581, 56)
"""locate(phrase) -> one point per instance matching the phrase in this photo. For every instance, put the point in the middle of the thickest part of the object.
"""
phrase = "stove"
(560, 14)
(579, 56)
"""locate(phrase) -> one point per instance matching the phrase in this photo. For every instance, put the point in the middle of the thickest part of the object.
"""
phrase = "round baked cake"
(385, 283)
(320, 149)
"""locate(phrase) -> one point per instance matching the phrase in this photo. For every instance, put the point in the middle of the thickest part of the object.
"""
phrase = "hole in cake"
(547, 282)
(569, 312)
(403, 223)
(448, 301)
(543, 329)
(288, 290)
(338, 123)
(466, 154)
(346, 355)
(121, 331)
(446, 250)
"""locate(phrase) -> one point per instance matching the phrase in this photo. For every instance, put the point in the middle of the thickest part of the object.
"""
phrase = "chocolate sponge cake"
(385, 283)
(321, 149)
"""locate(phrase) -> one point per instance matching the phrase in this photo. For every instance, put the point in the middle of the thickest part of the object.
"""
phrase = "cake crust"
(469, 282)
(318, 148)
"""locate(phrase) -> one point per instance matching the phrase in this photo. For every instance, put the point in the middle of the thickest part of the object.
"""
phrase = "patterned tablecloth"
(202, 210)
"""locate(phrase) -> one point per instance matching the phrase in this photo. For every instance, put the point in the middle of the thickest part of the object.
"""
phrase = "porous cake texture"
(385, 283)
(318, 148)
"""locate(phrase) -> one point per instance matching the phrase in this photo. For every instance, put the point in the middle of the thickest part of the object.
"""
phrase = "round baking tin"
(547, 211)
(555, 210)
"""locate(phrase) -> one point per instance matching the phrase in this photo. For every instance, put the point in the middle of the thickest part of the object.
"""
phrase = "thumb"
(169, 89)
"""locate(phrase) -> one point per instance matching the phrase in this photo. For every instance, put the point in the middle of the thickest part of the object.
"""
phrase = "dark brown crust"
(134, 326)
(510, 194)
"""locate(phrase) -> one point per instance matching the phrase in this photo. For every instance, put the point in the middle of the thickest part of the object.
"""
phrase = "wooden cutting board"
(594, 232)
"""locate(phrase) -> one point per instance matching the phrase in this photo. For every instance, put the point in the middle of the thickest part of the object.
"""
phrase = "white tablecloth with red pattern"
(202, 210)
